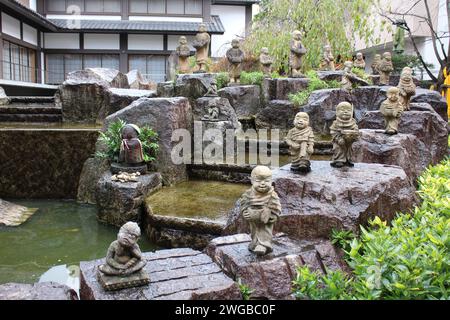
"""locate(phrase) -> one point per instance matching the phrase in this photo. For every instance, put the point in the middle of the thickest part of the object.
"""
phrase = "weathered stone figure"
(392, 109)
(183, 52)
(131, 152)
(212, 90)
(213, 114)
(124, 263)
(376, 64)
(266, 61)
(328, 59)
(297, 53)
(300, 140)
(235, 57)
(347, 77)
(344, 131)
(360, 63)
(261, 207)
(407, 87)
(385, 68)
(201, 44)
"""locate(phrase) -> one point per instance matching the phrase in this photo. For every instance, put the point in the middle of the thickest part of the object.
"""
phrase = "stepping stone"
(13, 215)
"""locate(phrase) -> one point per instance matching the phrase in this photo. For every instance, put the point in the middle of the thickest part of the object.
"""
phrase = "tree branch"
(433, 34)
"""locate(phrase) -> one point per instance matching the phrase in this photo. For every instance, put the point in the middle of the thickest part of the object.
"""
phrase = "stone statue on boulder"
(296, 56)
(376, 64)
(131, 155)
(261, 207)
(235, 57)
(201, 44)
(407, 87)
(344, 131)
(360, 63)
(183, 52)
(328, 59)
(212, 90)
(124, 264)
(300, 140)
(266, 61)
(348, 76)
(385, 68)
(392, 109)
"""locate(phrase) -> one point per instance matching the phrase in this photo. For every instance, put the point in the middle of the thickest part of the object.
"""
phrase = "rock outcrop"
(37, 291)
(277, 114)
(194, 85)
(244, 99)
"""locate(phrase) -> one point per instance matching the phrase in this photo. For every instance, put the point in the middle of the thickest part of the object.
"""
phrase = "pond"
(50, 245)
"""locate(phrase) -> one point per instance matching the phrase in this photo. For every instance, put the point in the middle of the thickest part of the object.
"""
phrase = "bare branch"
(433, 35)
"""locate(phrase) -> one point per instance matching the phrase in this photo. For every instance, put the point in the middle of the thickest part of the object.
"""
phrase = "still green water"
(50, 245)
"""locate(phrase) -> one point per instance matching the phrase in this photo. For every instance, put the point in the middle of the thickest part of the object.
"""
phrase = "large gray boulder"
(138, 82)
(110, 77)
(164, 115)
(37, 291)
(277, 114)
(434, 99)
(165, 89)
(280, 88)
(246, 100)
(92, 171)
(193, 85)
(175, 274)
(422, 122)
(329, 198)
(226, 111)
(403, 150)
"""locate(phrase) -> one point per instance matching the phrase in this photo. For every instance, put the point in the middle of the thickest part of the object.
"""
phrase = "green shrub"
(222, 79)
(246, 291)
(408, 259)
(112, 140)
(252, 78)
(360, 73)
(399, 61)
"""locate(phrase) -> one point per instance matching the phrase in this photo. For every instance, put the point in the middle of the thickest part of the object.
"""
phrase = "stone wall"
(43, 163)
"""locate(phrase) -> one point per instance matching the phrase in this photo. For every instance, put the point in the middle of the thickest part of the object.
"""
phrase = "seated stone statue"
(266, 61)
(385, 68)
(131, 147)
(212, 90)
(344, 131)
(328, 59)
(183, 52)
(235, 57)
(213, 114)
(407, 87)
(376, 64)
(297, 53)
(359, 63)
(261, 208)
(124, 256)
(300, 140)
(392, 109)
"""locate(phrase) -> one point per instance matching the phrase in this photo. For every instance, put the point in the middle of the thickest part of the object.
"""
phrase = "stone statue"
(261, 207)
(266, 61)
(297, 53)
(407, 87)
(348, 76)
(124, 264)
(183, 52)
(235, 57)
(201, 44)
(212, 90)
(131, 156)
(385, 68)
(300, 140)
(360, 63)
(328, 59)
(392, 109)
(376, 64)
(213, 114)
(344, 131)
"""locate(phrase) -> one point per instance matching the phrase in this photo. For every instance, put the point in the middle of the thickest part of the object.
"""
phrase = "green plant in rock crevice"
(246, 291)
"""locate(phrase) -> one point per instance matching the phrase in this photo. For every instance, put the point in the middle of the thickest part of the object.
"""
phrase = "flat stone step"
(11, 117)
(32, 99)
(30, 109)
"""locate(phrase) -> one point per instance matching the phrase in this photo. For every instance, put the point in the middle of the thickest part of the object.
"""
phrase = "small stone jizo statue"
(201, 44)
(212, 90)
(131, 152)
(235, 57)
(392, 109)
(261, 208)
(300, 140)
(183, 52)
(407, 87)
(385, 68)
(124, 264)
(344, 131)
(376, 64)
(348, 76)
(328, 59)
(266, 61)
(296, 56)
(359, 62)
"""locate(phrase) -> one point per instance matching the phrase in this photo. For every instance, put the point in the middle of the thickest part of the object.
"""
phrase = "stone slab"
(112, 283)
(13, 215)
(37, 291)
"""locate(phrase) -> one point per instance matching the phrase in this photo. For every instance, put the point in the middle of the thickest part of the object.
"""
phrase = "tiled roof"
(215, 26)
(237, 2)
(30, 14)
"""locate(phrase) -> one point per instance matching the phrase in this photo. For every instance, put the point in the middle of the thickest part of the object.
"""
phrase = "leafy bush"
(408, 259)
(112, 140)
(252, 78)
(342, 238)
(222, 79)
(360, 73)
(400, 61)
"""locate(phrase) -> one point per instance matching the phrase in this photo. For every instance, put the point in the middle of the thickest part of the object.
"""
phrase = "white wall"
(81, 17)
(62, 41)
(33, 5)
(145, 42)
(150, 18)
(30, 34)
(101, 41)
(10, 26)
(172, 41)
(233, 20)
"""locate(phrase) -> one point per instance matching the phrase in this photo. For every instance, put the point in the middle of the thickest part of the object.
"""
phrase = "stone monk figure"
(266, 61)
(297, 53)
(201, 44)
(183, 52)
(407, 87)
(359, 63)
(300, 140)
(344, 131)
(261, 207)
(131, 152)
(392, 109)
(235, 57)
(385, 68)
(124, 256)
(376, 64)
(328, 59)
